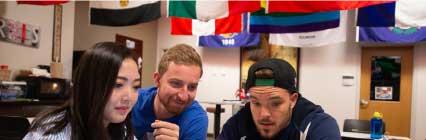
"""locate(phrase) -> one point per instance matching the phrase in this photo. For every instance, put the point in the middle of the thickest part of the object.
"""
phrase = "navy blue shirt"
(321, 125)
(192, 121)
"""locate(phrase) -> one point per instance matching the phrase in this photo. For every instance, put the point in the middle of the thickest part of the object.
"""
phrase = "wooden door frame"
(408, 78)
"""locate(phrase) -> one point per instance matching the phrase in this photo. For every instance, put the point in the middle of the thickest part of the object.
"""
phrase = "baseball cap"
(284, 75)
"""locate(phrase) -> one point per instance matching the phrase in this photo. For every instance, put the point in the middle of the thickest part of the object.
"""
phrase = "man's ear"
(293, 99)
(156, 77)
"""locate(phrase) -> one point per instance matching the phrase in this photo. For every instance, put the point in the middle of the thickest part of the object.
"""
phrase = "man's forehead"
(178, 79)
(267, 89)
(269, 96)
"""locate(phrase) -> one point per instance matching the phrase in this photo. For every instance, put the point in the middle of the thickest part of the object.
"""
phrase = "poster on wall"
(385, 78)
(19, 33)
(250, 55)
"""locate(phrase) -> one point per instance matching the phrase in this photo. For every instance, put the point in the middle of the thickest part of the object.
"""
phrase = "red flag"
(187, 26)
(318, 6)
(42, 2)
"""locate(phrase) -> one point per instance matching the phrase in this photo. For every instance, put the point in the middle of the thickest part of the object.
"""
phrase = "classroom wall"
(418, 110)
(26, 57)
(320, 76)
(321, 71)
(87, 35)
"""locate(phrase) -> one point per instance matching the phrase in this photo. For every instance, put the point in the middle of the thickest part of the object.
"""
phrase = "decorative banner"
(205, 10)
(402, 13)
(123, 13)
(187, 26)
(260, 22)
(42, 2)
(392, 34)
(313, 39)
(410, 13)
(319, 6)
(382, 15)
(231, 40)
(20, 33)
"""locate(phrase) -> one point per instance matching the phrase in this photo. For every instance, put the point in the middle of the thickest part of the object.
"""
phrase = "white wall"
(22, 57)
(221, 69)
(321, 71)
(87, 35)
(418, 110)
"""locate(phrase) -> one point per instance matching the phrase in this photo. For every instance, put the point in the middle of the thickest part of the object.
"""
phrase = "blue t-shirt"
(192, 121)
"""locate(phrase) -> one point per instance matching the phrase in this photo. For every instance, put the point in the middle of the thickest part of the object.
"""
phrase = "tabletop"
(367, 136)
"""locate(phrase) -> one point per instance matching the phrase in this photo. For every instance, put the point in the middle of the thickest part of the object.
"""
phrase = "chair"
(359, 126)
(13, 128)
(216, 110)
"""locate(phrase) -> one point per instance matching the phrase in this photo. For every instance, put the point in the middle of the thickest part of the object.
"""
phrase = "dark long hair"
(93, 82)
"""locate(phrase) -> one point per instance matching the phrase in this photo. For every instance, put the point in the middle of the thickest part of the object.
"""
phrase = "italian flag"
(210, 9)
(187, 26)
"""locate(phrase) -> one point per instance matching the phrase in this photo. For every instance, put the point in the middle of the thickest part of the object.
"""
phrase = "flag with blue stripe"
(231, 40)
(382, 15)
(260, 22)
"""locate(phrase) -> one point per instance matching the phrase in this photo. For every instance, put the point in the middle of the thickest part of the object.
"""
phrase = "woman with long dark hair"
(103, 93)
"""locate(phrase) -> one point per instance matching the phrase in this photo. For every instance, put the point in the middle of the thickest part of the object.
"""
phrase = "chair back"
(358, 126)
(13, 128)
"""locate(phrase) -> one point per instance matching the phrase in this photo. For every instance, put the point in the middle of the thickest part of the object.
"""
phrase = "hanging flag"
(123, 12)
(318, 6)
(206, 10)
(260, 22)
(187, 26)
(392, 34)
(313, 39)
(410, 13)
(403, 13)
(381, 15)
(231, 40)
(42, 2)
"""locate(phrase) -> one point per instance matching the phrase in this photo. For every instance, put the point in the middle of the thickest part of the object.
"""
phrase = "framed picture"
(383, 93)
(250, 55)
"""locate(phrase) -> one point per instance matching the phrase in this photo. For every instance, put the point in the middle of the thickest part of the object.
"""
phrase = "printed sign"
(383, 93)
(20, 33)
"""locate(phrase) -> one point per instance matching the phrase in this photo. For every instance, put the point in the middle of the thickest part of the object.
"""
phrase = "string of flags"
(227, 23)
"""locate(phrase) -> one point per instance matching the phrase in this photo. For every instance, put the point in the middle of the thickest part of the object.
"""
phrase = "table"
(217, 112)
(367, 136)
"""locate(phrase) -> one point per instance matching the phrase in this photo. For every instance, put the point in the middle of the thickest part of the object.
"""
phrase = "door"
(135, 45)
(386, 85)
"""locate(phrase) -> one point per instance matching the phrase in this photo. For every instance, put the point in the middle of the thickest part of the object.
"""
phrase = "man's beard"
(172, 109)
(277, 136)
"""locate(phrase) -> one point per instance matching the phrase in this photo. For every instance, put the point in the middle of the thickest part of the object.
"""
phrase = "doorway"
(386, 86)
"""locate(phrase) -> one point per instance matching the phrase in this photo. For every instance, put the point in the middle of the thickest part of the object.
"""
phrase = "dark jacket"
(321, 125)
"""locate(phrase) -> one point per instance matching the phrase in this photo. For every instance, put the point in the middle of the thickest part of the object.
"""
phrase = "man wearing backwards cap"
(276, 110)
